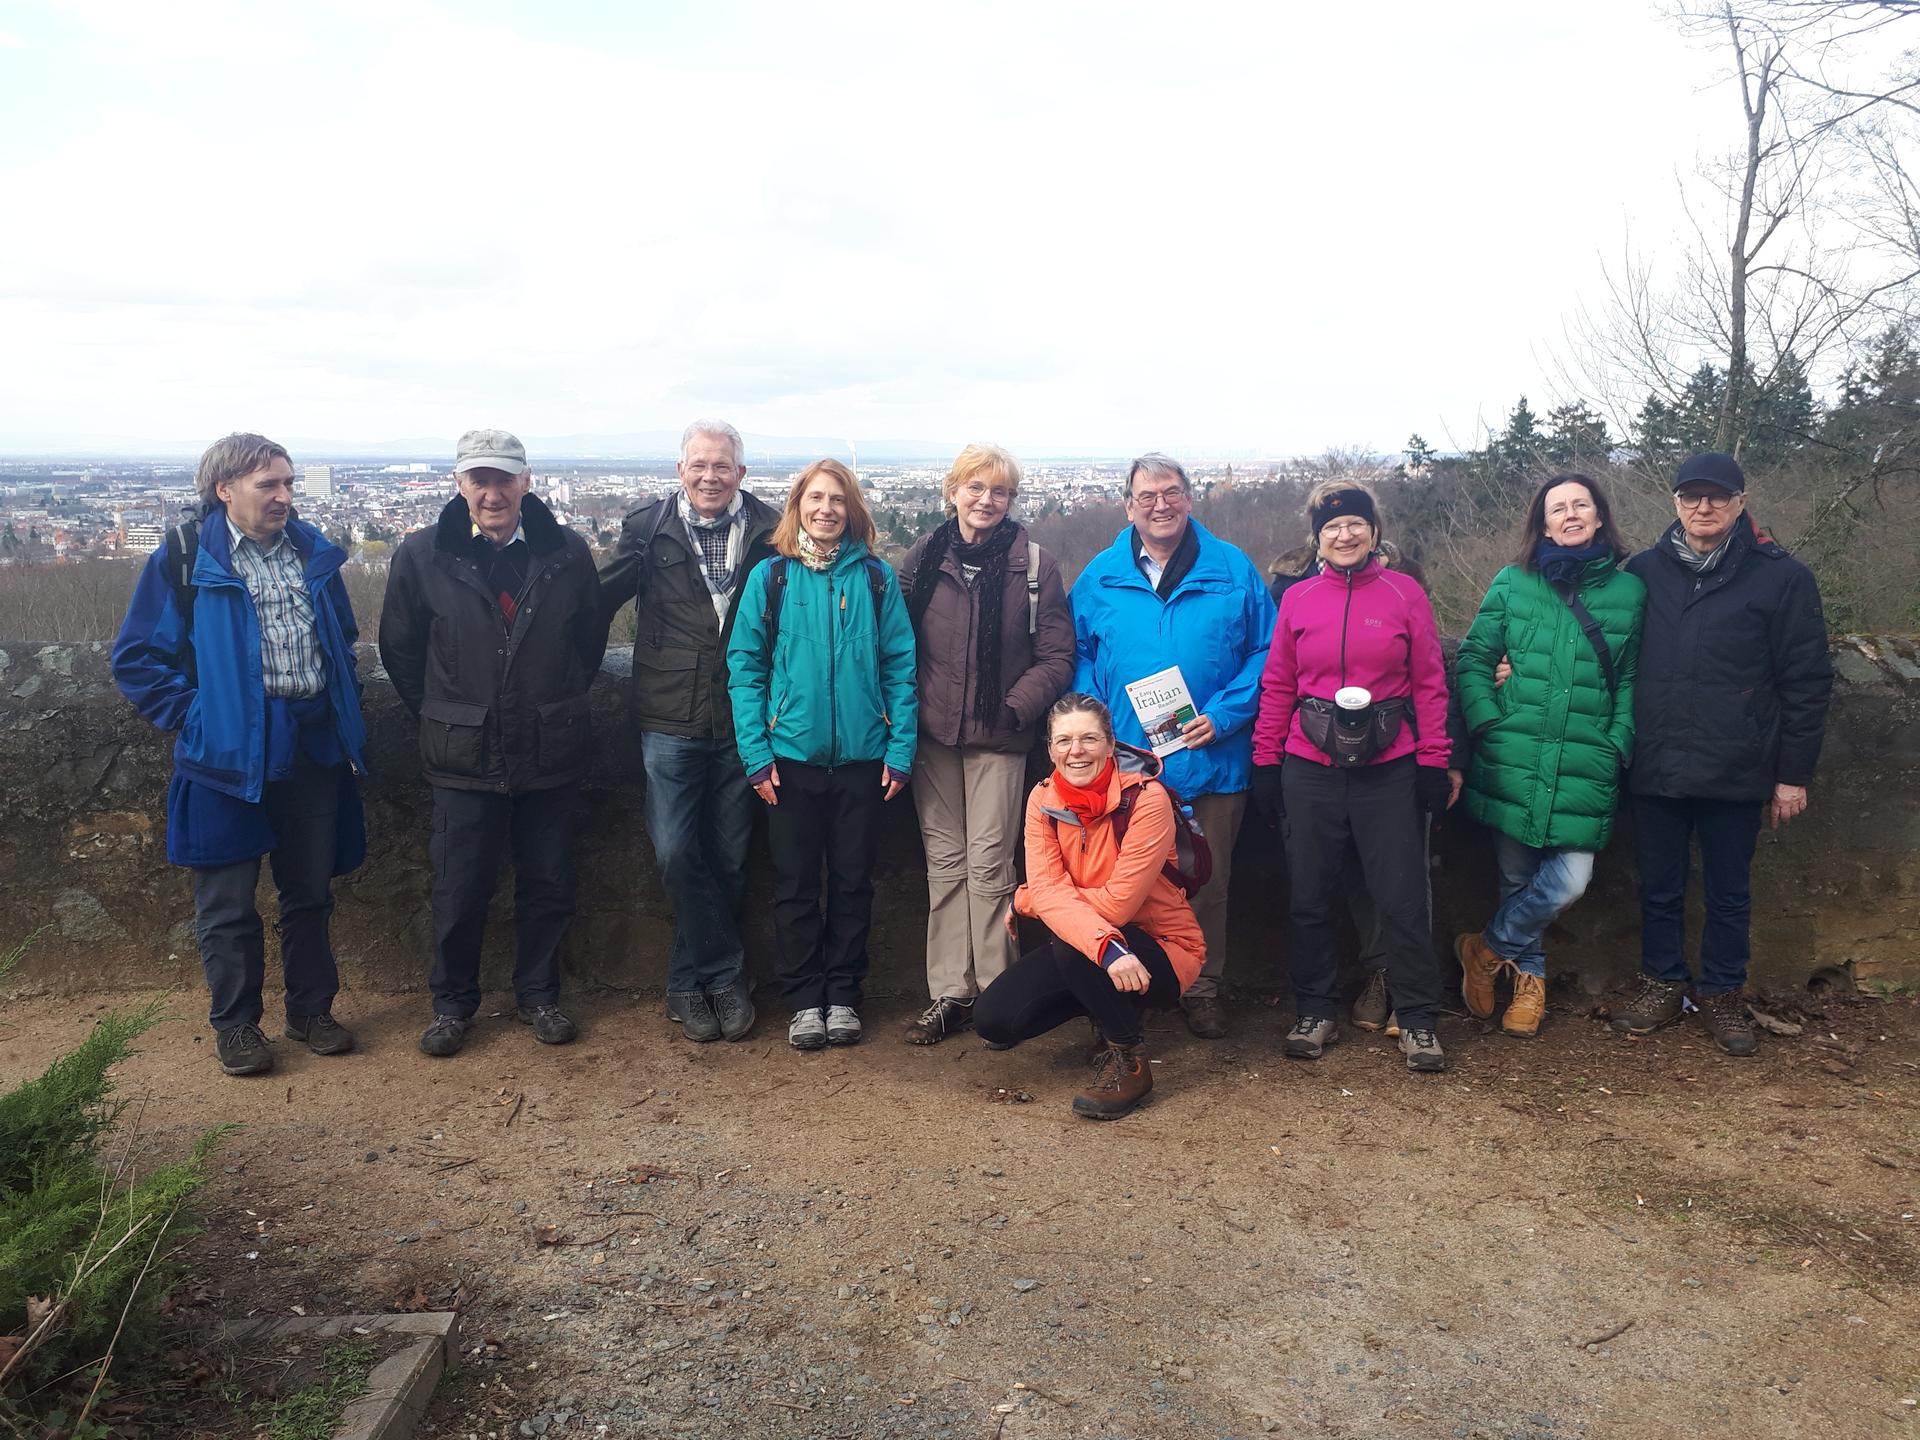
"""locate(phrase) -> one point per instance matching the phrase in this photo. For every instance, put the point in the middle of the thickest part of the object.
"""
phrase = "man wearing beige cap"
(491, 634)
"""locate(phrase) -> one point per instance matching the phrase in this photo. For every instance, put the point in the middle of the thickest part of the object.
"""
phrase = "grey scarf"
(1691, 558)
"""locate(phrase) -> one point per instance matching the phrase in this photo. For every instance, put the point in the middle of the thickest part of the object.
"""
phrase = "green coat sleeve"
(750, 673)
(1485, 643)
(899, 689)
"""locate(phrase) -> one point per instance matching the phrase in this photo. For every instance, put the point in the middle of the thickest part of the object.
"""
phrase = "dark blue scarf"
(1562, 566)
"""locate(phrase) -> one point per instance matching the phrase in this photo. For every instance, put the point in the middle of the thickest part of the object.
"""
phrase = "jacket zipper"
(1345, 612)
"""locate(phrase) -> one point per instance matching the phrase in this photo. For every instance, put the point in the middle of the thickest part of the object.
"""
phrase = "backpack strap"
(1596, 637)
(1033, 586)
(183, 549)
(877, 588)
(776, 595)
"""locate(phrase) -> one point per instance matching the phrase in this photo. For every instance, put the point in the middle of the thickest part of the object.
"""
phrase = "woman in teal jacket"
(821, 677)
(1551, 741)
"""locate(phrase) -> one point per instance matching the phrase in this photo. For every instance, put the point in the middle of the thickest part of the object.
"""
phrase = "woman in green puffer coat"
(1551, 740)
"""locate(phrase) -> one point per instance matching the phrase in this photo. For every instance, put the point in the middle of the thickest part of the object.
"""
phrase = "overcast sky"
(1203, 228)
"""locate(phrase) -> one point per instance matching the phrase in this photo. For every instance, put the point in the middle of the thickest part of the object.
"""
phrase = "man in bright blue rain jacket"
(1168, 593)
(240, 638)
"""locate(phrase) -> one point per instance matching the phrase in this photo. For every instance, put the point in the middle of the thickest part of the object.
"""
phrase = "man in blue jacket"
(240, 637)
(1168, 593)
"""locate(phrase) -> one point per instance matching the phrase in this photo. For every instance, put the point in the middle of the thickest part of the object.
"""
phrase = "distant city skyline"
(1222, 231)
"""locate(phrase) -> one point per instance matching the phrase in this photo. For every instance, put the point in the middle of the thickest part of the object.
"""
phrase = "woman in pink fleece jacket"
(1350, 748)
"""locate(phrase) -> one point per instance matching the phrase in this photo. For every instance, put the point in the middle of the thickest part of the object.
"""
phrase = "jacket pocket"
(453, 737)
(666, 683)
(563, 733)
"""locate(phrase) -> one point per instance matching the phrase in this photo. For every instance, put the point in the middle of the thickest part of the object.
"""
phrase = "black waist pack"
(1352, 737)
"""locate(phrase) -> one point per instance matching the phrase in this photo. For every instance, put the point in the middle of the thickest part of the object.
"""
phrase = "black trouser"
(1373, 808)
(470, 830)
(1045, 988)
(831, 815)
(303, 809)
(1728, 829)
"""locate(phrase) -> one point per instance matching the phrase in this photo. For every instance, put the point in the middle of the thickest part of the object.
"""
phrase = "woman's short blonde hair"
(978, 460)
(786, 535)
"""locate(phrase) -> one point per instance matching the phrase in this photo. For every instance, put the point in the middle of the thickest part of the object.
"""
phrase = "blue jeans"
(699, 818)
(1662, 831)
(1536, 889)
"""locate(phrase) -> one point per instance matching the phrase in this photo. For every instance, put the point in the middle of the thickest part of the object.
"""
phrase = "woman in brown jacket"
(995, 645)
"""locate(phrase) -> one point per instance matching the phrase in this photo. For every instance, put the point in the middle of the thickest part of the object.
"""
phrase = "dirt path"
(658, 1238)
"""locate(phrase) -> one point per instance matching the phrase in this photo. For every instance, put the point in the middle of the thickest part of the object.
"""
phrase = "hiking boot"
(1121, 1080)
(694, 1011)
(1423, 1052)
(550, 1024)
(1371, 1006)
(843, 1025)
(1528, 1005)
(807, 1030)
(733, 1010)
(1655, 1003)
(243, 1050)
(1205, 1017)
(1309, 1038)
(324, 1034)
(444, 1036)
(1479, 969)
(1392, 1028)
(1726, 1019)
(944, 1017)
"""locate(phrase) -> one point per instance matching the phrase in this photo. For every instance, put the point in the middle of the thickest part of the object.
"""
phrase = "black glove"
(1430, 788)
(1268, 795)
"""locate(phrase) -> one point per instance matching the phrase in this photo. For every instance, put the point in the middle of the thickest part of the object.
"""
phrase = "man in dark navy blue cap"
(1729, 711)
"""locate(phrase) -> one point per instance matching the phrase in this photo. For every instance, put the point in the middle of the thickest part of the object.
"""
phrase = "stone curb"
(399, 1387)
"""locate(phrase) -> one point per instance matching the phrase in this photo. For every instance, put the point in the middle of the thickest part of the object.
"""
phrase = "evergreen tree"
(1419, 454)
(1576, 436)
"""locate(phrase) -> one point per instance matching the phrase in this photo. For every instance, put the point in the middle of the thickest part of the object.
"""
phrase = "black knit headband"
(1338, 504)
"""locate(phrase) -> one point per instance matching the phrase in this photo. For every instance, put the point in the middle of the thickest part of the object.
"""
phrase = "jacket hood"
(215, 547)
(1209, 563)
(453, 532)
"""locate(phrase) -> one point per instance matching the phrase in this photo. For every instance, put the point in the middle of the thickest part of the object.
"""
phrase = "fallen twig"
(1614, 1334)
(455, 1164)
(514, 1114)
(786, 1404)
(1060, 1400)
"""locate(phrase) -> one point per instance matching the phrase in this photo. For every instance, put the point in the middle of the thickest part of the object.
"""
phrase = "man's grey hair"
(1154, 463)
(233, 458)
(717, 430)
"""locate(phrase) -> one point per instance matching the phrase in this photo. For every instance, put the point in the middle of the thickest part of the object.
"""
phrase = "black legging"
(1045, 988)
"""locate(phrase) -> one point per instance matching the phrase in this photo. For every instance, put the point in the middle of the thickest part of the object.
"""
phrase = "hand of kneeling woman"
(1128, 974)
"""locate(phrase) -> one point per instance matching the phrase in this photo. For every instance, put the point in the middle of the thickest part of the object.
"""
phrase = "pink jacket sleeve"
(1429, 678)
(1279, 688)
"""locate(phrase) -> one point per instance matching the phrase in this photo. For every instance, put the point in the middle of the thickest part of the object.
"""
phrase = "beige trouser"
(1218, 817)
(971, 804)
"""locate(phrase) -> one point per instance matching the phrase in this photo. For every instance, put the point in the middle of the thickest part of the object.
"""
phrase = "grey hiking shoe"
(1655, 1003)
(694, 1011)
(843, 1025)
(243, 1050)
(1370, 1006)
(1310, 1037)
(808, 1029)
(732, 1010)
(1422, 1049)
(324, 1034)
(551, 1025)
(444, 1036)
(1727, 1021)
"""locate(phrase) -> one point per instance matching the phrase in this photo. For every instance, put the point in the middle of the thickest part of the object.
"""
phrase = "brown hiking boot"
(1528, 1005)
(1371, 1006)
(1479, 968)
(1655, 1003)
(1727, 1021)
(945, 1016)
(1121, 1080)
(1205, 1017)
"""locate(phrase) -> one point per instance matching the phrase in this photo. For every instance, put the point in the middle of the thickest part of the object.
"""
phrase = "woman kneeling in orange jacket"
(1124, 935)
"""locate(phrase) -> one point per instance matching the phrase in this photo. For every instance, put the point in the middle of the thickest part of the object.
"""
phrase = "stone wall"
(82, 854)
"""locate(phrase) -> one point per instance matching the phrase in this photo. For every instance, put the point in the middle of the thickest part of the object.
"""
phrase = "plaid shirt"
(290, 661)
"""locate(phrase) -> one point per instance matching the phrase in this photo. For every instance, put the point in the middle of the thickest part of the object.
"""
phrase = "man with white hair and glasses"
(682, 559)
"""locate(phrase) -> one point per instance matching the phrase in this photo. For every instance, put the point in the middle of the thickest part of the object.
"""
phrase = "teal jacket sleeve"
(1485, 643)
(899, 689)
(1234, 708)
(750, 673)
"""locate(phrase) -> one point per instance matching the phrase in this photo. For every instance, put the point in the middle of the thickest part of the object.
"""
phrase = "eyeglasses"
(700, 470)
(1344, 527)
(977, 492)
(1151, 500)
(1712, 499)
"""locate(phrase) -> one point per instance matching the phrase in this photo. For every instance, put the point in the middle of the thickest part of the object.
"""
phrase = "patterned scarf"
(717, 542)
(815, 556)
(1691, 558)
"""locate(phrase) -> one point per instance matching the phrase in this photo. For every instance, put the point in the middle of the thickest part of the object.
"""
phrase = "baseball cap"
(489, 450)
(1711, 467)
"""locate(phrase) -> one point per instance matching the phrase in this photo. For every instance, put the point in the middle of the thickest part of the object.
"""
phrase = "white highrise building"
(317, 480)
